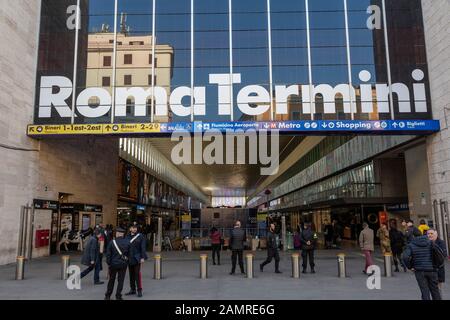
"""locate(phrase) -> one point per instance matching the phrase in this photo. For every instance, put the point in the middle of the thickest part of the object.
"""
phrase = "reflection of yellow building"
(133, 65)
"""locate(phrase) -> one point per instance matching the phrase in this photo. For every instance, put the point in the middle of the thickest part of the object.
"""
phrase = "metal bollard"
(65, 263)
(295, 266)
(203, 266)
(157, 273)
(342, 270)
(249, 265)
(20, 267)
(388, 265)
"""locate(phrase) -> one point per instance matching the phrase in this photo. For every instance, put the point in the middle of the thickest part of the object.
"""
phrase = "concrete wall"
(418, 183)
(436, 23)
(391, 174)
(31, 169)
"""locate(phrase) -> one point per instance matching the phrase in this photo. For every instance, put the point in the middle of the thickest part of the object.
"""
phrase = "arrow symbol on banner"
(324, 125)
(395, 125)
(108, 127)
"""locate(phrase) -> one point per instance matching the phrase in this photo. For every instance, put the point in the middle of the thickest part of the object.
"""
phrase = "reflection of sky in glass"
(250, 42)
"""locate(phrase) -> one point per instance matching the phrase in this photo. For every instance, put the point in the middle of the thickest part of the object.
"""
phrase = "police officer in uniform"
(137, 257)
(272, 250)
(117, 260)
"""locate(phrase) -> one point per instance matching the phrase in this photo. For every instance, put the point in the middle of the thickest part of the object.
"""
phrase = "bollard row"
(157, 275)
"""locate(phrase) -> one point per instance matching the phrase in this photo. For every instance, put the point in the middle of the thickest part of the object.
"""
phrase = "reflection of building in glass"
(134, 64)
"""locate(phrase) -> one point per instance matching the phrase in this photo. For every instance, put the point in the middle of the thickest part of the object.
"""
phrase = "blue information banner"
(315, 127)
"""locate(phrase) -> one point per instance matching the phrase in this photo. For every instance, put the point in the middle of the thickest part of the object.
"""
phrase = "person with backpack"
(423, 227)
(433, 236)
(397, 243)
(308, 240)
(137, 257)
(117, 260)
(419, 257)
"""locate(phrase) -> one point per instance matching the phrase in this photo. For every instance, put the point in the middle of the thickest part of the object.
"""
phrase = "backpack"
(438, 256)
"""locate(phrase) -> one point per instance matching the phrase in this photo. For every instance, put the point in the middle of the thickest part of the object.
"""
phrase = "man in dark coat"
(418, 257)
(91, 257)
(272, 250)
(410, 230)
(397, 243)
(433, 236)
(308, 238)
(137, 256)
(237, 240)
(117, 260)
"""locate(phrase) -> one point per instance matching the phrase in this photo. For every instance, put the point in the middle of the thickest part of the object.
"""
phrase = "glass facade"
(151, 60)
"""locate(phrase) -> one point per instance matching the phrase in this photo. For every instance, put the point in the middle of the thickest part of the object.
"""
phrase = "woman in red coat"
(215, 243)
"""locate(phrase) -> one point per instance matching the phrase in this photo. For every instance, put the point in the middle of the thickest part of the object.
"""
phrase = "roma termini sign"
(252, 100)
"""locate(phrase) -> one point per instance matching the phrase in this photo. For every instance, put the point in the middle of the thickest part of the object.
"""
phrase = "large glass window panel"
(211, 51)
(368, 61)
(173, 69)
(56, 56)
(408, 59)
(329, 58)
(251, 55)
(290, 55)
(95, 62)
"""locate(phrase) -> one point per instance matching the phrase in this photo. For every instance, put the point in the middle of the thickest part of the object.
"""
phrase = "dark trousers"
(216, 251)
(308, 254)
(237, 254)
(397, 255)
(428, 284)
(120, 273)
(272, 253)
(96, 267)
(135, 277)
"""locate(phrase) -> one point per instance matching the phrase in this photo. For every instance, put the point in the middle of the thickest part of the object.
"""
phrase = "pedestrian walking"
(308, 239)
(91, 257)
(434, 237)
(216, 239)
(385, 242)
(418, 256)
(366, 244)
(117, 260)
(237, 240)
(397, 243)
(137, 256)
(272, 250)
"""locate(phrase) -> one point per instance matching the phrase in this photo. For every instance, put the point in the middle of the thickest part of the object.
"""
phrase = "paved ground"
(181, 281)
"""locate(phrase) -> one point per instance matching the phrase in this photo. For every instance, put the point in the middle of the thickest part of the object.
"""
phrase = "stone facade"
(437, 37)
(33, 169)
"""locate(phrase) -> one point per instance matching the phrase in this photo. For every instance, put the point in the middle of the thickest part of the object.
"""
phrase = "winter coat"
(237, 239)
(409, 233)
(215, 237)
(91, 251)
(113, 258)
(308, 235)
(418, 254)
(137, 248)
(272, 242)
(385, 242)
(366, 239)
(397, 241)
